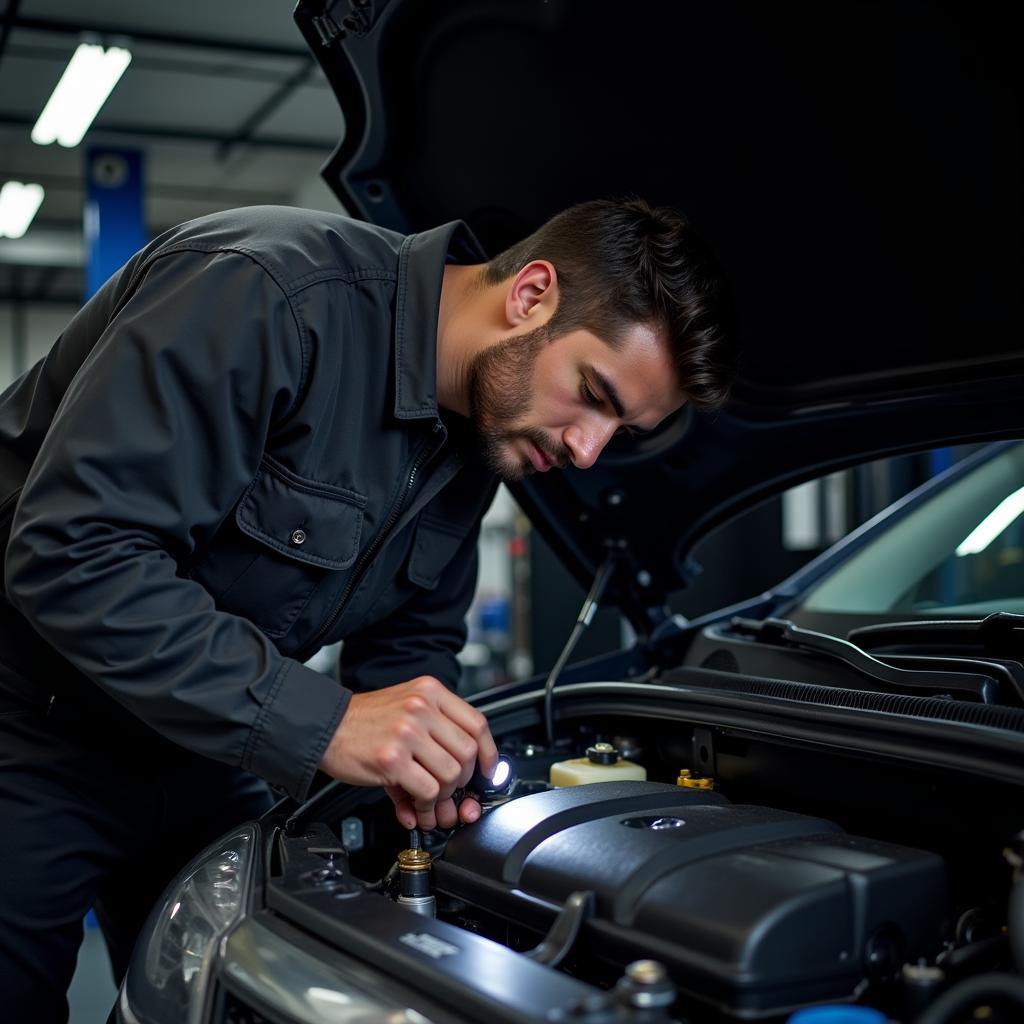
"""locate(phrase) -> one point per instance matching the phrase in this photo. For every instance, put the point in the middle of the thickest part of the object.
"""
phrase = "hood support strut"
(585, 617)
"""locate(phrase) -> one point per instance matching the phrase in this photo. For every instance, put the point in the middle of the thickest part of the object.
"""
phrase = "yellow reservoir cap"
(690, 781)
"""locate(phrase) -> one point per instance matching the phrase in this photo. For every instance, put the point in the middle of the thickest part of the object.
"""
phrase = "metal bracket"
(562, 934)
(328, 30)
(704, 751)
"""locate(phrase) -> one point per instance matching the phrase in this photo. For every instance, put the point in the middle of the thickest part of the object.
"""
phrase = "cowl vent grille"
(1011, 719)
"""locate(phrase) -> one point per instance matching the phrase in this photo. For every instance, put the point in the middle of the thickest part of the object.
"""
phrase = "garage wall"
(39, 328)
(43, 322)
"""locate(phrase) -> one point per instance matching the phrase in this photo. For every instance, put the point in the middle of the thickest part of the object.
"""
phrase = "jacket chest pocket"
(433, 548)
(415, 567)
(286, 537)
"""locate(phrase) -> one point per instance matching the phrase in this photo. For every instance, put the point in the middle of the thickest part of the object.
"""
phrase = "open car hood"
(856, 169)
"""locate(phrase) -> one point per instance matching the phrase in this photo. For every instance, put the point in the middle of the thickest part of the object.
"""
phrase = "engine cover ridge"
(753, 909)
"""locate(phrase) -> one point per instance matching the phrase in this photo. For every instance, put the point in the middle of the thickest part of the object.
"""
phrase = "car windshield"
(961, 552)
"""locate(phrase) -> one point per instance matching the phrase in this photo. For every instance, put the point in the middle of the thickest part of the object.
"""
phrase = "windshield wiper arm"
(783, 633)
(1000, 634)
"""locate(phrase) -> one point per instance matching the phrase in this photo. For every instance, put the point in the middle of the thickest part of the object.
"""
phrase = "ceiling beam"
(191, 64)
(16, 298)
(44, 247)
(244, 134)
(156, 189)
(76, 28)
(189, 135)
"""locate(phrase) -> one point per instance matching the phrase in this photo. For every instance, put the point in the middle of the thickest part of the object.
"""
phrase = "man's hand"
(420, 742)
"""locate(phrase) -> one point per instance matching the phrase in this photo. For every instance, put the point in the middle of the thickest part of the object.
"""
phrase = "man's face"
(538, 402)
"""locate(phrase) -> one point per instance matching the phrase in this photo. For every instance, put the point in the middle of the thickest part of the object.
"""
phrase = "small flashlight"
(498, 781)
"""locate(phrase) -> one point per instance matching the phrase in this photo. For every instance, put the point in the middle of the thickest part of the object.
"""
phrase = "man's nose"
(586, 444)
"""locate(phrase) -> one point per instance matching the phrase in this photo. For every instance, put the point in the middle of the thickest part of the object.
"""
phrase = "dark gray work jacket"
(232, 456)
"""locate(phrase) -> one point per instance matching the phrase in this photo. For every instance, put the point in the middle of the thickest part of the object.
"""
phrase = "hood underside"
(855, 168)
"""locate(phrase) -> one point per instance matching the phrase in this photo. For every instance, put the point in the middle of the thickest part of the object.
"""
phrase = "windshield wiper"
(783, 633)
(1000, 635)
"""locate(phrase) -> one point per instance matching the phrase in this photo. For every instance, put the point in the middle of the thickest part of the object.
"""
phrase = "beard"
(500, 395)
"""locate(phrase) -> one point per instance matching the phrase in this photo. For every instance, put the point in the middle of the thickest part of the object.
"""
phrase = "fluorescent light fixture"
(18, 205)
(87, 81)
(993, 524)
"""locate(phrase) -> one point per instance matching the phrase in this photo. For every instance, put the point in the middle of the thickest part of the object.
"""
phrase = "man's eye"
(588, 396)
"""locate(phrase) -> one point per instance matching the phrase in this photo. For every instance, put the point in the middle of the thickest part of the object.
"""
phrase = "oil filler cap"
(838, 1015)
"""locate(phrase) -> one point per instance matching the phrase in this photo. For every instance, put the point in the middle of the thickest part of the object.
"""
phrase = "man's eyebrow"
(609, 389)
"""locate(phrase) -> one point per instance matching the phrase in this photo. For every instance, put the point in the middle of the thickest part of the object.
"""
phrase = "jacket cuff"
(294, 726)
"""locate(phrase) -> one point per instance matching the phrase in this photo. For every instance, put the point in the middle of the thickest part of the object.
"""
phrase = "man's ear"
(532, 297)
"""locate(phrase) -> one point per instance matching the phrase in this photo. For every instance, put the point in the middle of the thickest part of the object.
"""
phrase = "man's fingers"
(472, 722)
(426, 817)
(423, 791)
(443, 769)
(419, 741)
(469, 810)
(458, 744)
(487, 753)
(447, 813)
(454, 726)
(404, 810)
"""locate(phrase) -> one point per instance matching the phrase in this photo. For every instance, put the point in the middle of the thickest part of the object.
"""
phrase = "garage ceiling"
(222, 97)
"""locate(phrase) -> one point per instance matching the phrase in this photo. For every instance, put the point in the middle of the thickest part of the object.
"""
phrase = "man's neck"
(459, 332)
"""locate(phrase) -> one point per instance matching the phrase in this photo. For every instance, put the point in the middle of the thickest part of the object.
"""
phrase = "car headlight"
(167, 978)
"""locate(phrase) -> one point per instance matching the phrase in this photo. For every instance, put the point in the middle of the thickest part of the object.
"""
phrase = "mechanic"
(271, 430)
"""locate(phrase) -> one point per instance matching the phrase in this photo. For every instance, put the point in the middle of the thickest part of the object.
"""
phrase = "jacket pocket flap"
(434, 547)
(308, 521)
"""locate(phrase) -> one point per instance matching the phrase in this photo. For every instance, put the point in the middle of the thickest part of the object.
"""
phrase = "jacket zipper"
(362, 565)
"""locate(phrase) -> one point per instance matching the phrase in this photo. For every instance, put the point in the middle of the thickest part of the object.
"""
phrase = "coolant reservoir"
(602, 764)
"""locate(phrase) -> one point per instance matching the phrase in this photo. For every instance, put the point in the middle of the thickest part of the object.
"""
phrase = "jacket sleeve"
(422, 637)
(156, 438)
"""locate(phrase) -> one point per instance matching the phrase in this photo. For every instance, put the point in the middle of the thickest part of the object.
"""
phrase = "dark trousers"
(95, 810)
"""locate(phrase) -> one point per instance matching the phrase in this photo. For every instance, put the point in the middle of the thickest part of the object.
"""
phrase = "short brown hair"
(624, 262)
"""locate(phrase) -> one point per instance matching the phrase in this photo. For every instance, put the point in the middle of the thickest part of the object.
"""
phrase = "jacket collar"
(421, 262)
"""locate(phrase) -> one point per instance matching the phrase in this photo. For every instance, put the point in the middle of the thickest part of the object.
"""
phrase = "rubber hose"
(971, 993)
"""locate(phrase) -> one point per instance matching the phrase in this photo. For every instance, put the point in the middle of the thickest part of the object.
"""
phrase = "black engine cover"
(754, 911)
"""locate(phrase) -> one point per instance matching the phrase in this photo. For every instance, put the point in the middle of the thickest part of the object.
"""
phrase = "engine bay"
(753, 878)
